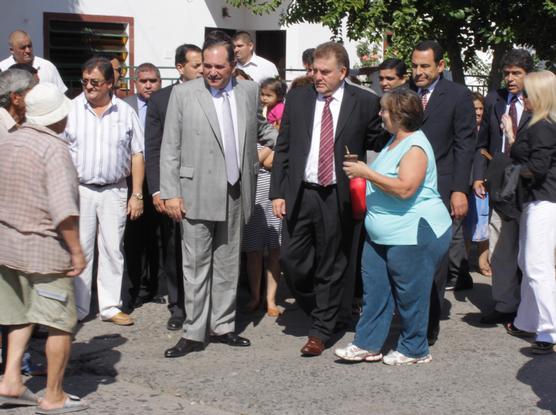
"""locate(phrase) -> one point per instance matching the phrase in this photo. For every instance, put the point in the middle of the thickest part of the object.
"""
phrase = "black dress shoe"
(158, 299)
(432, 335)
(184, 347)
(464, 283)
(175, 323)
(496, 317)
(231, 339)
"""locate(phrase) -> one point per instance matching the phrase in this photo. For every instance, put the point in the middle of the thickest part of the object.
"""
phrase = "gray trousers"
(211, 255)
(504, 247)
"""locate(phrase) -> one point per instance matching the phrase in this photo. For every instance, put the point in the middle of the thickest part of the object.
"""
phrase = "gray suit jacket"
(132, 101)
(192, 164)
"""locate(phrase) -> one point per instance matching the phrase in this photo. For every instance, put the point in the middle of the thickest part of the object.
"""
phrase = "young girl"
(263, 229)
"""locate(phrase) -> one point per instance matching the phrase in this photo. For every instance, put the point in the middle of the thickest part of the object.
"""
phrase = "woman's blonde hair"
(540, 88)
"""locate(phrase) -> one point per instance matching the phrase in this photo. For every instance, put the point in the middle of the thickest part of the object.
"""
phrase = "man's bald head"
(21, 47)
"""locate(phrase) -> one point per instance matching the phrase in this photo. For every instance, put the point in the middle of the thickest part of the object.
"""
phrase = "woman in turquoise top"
(408, 232)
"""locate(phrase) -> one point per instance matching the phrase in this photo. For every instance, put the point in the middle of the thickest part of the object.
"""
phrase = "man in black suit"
(189, 65)
(141, 257)
(311, 192)
(503, 233)
(449, 124)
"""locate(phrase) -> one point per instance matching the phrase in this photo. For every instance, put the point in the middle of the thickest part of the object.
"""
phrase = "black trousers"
(314, 257)
(170, 246)
(454, 263)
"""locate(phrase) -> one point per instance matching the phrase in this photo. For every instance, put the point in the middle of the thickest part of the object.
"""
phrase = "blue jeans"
(399, 275)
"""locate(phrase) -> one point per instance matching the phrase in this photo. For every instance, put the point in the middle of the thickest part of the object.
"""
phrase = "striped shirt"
(101, 147)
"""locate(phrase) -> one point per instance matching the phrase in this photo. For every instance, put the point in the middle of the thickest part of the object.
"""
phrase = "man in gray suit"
(208, 166)
(140, 283)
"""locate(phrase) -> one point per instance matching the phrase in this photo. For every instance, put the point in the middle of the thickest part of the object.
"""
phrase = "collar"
(337, 95)
(7, 119)
(42, 129)
(253, 61)
(510, 96)
(216, 92)
(141, 102)
(89, 106)
(430, 87)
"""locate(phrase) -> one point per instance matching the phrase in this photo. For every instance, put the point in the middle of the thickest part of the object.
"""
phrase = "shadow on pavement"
(540, 374)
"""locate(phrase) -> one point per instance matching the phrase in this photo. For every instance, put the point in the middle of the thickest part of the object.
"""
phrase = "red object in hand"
(358, 191)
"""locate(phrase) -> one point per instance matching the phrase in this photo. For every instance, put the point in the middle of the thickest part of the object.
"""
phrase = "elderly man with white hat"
(40, 251)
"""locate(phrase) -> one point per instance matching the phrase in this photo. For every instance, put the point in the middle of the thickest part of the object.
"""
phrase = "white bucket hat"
(45, 104)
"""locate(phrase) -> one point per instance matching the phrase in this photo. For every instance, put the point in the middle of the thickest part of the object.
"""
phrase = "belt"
(315, 186)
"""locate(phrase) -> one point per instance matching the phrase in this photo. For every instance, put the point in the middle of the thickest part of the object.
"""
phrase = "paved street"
(475, 370)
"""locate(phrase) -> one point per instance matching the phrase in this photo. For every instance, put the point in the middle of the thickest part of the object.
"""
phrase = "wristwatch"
(138, 196)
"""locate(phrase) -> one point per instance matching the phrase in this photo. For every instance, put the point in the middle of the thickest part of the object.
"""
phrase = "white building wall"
(162, 25)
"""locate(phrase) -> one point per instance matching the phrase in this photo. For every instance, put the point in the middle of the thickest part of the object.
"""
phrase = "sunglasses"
(95, 83)
(151, 80)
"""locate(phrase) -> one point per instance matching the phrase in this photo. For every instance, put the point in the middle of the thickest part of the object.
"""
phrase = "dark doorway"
(271, 45)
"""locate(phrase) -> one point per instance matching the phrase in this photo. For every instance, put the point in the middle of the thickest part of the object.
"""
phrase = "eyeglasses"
(95, 83)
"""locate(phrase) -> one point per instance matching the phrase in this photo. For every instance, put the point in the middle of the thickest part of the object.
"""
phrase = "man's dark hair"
(333, 49)
(520, 58)
(102, 64)
(182, 51)
(308, 56)
(434, 45)
(220, 38)
(393, 63)
(245, 36)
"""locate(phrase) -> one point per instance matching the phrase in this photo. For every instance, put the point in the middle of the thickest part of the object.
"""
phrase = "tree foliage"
(463, 27)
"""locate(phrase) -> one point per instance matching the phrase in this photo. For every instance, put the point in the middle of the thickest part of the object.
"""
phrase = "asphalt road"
(475, 370)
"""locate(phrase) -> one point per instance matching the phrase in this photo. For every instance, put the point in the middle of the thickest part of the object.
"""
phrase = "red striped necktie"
(326, 148)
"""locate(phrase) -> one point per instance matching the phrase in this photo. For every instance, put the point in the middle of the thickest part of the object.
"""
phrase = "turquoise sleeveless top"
(394, 221)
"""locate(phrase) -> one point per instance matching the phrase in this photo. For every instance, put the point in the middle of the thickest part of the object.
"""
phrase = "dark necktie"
(424, 98)
(326, 148)
(512, 112)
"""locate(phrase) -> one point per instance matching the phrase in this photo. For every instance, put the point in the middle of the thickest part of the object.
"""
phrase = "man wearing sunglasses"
(140, 282)
(21, 50)
(503, 234)
(106, 144)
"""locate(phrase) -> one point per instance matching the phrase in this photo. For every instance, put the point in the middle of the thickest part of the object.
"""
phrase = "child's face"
(268, 97)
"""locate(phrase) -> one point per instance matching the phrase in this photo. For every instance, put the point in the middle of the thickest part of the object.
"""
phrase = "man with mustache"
(208, 163)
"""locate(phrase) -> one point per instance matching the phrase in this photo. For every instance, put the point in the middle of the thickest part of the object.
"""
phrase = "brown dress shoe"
(121, 319)
(313, 347)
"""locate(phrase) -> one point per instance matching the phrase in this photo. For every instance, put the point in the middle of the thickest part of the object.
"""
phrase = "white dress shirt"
(259, 68)
(101, 147)
(312, 167)
(47, 71)
(218, 101)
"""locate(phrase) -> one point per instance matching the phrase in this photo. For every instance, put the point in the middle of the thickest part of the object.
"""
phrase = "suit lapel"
(240, 98)
(435, 99)
(500, 106)
(525, 118)
(205, 101)
(309, 111)
(346, 109)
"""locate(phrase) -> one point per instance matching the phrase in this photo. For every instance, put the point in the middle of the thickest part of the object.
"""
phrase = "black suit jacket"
(154, 128)
(449, 124)
(490, 133)
(359, 128)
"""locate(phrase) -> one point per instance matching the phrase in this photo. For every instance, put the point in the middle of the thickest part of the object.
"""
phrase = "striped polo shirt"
(101, 147)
